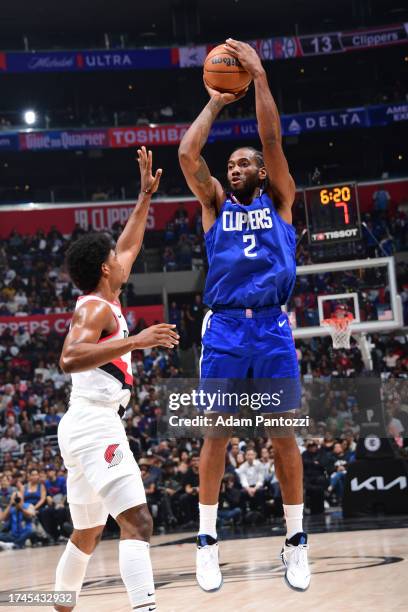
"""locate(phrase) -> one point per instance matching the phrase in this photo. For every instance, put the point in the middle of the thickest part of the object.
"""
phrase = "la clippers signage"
(28, 218)
(59, 323)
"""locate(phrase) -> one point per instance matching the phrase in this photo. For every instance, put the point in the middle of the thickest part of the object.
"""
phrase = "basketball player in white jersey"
(103, 476)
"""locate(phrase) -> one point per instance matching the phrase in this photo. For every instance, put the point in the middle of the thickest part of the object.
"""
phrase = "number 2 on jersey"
(249, 250)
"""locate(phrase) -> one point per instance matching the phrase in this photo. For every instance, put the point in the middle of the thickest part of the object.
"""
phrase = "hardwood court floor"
(351, 571)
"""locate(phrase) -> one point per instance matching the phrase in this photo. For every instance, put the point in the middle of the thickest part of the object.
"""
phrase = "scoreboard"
(332, 214)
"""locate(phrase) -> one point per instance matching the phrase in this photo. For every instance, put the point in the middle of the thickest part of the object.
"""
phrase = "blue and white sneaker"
(208, 572)
(294, 558)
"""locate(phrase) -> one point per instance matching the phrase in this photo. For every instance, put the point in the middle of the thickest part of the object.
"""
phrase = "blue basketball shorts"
(241, 345)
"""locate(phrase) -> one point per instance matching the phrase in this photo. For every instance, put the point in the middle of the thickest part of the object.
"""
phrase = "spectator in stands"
(6, 491)
(328, 443)
(315, 478)
(8, 442)
(170, 233)
(184, 253)
(338, 469)
(229, 503)
(34, 492)
(190, 483)
(171, 491)
(174, 314)
(251, 475)
(54, 514)
(18, 516)
(232, 454)
(391, 358)
(271, 480)
(197, 261)
(51, 421)
(381, 200)
(169, 260)
(183, 462)
(196, 317)
(12, 427)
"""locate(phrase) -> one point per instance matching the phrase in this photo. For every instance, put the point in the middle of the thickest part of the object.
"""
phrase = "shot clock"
(332, 214)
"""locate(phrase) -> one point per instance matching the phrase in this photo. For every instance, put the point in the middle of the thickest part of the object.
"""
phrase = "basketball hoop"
(340, 329)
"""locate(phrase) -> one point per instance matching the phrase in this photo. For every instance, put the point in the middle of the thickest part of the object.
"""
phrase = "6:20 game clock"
(332, 213)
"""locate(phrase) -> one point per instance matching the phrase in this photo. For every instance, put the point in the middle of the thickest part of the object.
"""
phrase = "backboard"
(367, 287)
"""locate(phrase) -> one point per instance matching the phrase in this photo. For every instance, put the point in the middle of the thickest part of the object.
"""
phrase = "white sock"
(208, 520)
(71, 569)
(137, 574)
(294, 519)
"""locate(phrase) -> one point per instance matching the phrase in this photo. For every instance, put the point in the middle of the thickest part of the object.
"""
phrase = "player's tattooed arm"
(195, 169)
(281, 184)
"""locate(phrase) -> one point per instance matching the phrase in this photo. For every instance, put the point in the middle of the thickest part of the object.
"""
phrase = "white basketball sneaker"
(208, 572)
(294, 558)
(7, 546)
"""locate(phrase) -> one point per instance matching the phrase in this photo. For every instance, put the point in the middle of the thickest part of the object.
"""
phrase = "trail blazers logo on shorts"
(113, 455)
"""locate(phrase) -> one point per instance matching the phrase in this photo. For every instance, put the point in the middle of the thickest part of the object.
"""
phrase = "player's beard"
(248, 189)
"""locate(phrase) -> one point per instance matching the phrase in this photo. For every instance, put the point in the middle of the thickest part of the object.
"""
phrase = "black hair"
(257, 155)
(85, 257)
(260, 162)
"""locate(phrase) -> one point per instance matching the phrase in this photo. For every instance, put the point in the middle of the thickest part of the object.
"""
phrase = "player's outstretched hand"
(247, 56)
(225, 98)
(148, 182)
(162, 334)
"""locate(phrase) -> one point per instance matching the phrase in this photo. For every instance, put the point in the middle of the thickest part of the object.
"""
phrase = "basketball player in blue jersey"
(251, 253)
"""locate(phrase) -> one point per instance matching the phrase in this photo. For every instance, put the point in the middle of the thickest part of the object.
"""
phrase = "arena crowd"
(34, 396)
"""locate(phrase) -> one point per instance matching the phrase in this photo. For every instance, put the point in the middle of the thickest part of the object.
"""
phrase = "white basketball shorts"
(103, 476)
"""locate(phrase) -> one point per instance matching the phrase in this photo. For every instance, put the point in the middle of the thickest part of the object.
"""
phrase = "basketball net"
(340, 329)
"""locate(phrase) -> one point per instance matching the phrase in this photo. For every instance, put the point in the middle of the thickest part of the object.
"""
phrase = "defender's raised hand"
(247, 56)
(148, 182)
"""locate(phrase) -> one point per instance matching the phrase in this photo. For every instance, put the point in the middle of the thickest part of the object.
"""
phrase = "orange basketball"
(223, 72)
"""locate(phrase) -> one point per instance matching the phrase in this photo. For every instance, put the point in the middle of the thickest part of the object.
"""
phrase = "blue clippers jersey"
(251, 255)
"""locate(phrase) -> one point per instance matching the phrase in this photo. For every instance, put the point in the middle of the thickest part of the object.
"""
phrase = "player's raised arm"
(281, 184)
(205, 187)
(197, 174)
(131, 239)
(81, 350)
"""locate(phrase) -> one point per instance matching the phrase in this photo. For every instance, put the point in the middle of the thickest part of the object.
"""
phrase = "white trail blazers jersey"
(112, 382)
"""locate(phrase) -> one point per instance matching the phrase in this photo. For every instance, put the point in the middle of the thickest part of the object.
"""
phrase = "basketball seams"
(234, 72)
